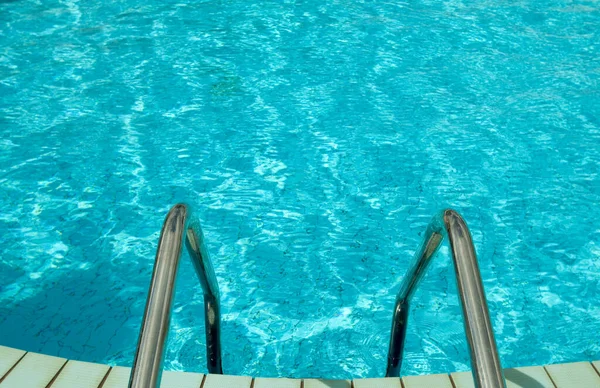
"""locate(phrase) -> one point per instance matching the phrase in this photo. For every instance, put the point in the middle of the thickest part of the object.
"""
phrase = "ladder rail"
(179, 229)
(485, 362)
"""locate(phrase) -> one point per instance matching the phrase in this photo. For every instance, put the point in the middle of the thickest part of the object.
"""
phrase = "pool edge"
(18, 367)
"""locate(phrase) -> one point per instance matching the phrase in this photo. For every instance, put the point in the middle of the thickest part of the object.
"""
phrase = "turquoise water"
(315, 140)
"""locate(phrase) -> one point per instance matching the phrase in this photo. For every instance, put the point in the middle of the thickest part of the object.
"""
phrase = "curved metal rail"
(147, 365)
(485, 362)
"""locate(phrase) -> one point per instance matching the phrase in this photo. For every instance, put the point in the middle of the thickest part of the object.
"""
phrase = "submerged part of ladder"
(178, 229)
(485, 363)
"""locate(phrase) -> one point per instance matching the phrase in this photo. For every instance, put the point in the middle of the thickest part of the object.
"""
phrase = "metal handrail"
(147, 365)
(487, 372)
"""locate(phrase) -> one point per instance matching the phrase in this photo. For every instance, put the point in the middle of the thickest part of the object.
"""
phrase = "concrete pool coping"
(21, 369)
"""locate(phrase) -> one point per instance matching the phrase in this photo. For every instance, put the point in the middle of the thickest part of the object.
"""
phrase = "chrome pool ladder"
(178, 229)
(181, 229)
(485, 362)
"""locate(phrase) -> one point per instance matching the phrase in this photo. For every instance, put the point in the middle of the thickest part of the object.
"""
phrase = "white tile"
(77, 374)
(118, 377)
(574, 375)
(321, 383)
(172, 379)
(224, 381)
(391, 382)
(262, 382)
(33, 371)
(527, 377)
(463, 380)
(427, 381)
(8, 358)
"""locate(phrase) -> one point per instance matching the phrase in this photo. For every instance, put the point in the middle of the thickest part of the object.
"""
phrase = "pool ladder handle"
(179, 227)
(147, 367)
(485, 362)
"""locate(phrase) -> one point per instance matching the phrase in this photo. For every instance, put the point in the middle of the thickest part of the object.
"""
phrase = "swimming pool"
(315, 141)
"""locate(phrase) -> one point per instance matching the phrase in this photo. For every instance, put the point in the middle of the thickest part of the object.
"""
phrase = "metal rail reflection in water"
(148, 363)
(485, 363)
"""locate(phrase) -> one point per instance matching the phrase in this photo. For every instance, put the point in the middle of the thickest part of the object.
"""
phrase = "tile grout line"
(110, 368)
(12, 367)
(596, 369)
(203, 381)
(549, 376)
(451, 380)
(57, 373)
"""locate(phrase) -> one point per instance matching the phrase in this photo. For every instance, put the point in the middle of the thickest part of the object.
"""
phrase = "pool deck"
(21, 369)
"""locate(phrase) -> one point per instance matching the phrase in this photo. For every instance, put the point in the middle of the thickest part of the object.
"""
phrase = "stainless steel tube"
(208, 281)
(485, 363)
(147, 365)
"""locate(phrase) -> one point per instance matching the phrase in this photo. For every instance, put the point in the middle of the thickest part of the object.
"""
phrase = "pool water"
(315, 140)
